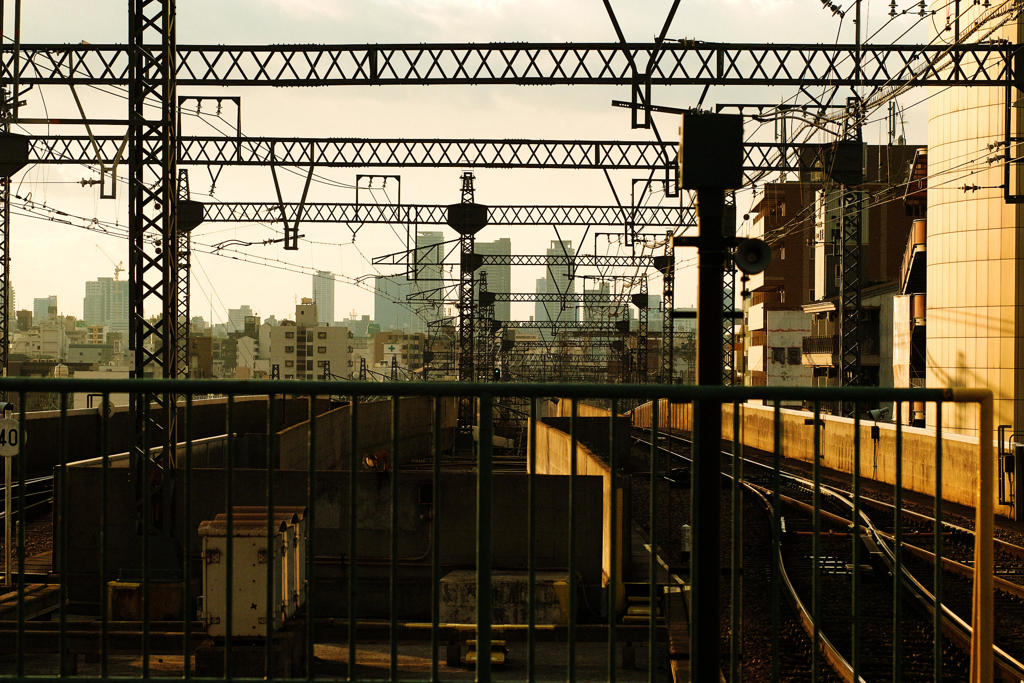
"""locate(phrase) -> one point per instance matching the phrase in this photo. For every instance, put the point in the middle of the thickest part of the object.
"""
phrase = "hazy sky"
(50, 258)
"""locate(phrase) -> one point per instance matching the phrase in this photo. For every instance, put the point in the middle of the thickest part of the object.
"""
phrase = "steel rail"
(952, 622)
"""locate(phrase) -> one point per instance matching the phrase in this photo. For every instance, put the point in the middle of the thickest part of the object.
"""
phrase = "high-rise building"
(236, 318)
(323, 295)
(390, 302)
(560, 280)
(597, 304)
(305, 349)
(540, 311)
(499, 277)
(44, 309)
(428, 273)
(975, 257)
(106, 303)
(24, 320)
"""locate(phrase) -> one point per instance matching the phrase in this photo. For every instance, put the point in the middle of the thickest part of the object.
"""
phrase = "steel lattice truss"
(690, 63)
(5, 264)
(435, 214)
(577, 260)
(567, 297)
(602, 327)
(400, 152)
(580, 260)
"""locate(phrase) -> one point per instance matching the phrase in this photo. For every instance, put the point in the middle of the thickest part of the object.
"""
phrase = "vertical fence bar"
(776, 587)
(855, 586)
(435, 541)
(147, 505)
(573, 471)
(272, 542)
(816, 544)
(937, 550)
(613, 541)
(652, 580)
(229, 574)
(309, 540)
(186, 535)
(353, 471)
(897, 573)
(735, 585)
(62, 536)
(19, 664)
(393, 568)
(104, 481)
(484, 530)
(531, 530)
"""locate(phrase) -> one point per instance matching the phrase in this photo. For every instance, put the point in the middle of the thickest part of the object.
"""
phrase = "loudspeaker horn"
(752, 256)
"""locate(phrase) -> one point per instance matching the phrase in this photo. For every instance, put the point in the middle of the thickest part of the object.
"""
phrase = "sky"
(54, 258)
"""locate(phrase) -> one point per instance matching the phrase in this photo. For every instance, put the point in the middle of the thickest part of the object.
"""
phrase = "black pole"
(708, 424)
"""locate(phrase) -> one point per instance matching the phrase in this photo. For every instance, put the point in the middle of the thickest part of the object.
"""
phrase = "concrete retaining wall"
(455, 512)
(878, 455)
(554, 456)
(373, 430)
(563, 408)
(208, 418)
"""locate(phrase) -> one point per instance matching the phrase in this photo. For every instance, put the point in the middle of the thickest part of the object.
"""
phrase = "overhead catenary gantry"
(152, 65)
(690, 62)
(437, 214)
(339, 152)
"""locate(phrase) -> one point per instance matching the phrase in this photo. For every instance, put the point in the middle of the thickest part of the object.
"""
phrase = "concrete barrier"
(877, 452)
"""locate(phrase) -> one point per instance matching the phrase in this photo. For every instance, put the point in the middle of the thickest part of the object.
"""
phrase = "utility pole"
(666, 263)
(642, 303)
(467, 218)
(847, 168)
(13, 157)
(711, 156)
(485, 331)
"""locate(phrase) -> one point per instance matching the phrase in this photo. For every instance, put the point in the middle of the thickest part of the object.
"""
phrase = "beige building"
(304, 349)
(975, 270)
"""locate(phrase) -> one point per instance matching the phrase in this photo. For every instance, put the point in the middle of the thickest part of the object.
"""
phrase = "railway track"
(38, 493)
(815, 567)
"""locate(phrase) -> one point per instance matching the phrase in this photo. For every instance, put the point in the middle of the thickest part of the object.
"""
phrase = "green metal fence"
(482, 513)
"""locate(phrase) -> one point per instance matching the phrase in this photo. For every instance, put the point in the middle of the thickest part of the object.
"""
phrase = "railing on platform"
(369, 554)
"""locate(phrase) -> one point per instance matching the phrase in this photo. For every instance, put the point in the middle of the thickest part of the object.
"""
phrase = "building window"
(321, 349)
(309, 365)
(778, 354)
(289, 376)
(289, 335)
(793, 355)
(309, 349)
(782, 253)
(289, 349)
(321, 335)
(289, 363)
(782, 296)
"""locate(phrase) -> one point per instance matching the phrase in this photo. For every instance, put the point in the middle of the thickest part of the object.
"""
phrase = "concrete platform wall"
(878, 456)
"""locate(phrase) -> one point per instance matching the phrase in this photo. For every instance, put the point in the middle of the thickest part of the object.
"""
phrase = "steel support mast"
(153, 243)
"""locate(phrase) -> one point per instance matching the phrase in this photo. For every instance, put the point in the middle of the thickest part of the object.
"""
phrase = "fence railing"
(394, 543)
